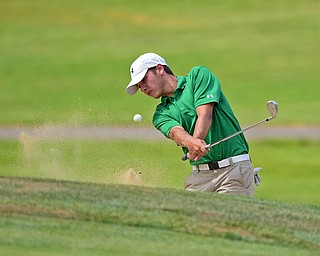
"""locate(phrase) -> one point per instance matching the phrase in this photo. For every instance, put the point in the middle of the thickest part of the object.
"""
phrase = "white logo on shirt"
(210, 96)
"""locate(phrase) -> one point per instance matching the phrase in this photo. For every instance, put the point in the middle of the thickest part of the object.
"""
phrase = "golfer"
(194, 112)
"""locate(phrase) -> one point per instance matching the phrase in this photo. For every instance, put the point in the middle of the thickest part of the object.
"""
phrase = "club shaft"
(237, 133)
(208, 146)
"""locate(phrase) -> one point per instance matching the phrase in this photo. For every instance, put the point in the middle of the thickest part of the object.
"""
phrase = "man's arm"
(204, 121)
(195, 144)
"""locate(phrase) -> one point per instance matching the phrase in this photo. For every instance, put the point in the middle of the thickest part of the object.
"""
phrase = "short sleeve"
(206, 86)
(163, 121)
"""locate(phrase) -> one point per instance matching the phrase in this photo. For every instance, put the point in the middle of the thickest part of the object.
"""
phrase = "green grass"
(68, 61)
(289, 167)
(45, 217)
(290, 170)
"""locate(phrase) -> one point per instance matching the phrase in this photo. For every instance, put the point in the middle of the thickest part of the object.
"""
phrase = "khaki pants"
(236, 179)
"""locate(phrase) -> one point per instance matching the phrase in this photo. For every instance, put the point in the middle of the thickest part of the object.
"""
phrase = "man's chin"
(154, 96)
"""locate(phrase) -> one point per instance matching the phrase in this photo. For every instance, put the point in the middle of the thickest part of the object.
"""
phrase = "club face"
(272, 108)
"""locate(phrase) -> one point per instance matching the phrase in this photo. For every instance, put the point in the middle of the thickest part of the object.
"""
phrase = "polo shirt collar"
(181, 82)
(180, 86)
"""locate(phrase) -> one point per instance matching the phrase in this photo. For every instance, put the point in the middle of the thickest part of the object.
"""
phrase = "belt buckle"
(213, 165)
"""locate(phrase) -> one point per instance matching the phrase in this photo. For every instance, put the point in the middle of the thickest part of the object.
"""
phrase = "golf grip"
(184, 157)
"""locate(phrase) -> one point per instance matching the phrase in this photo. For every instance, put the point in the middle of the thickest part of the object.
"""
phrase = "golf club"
(273, 110)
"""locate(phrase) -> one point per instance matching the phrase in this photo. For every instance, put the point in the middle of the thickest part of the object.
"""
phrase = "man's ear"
(160, 69)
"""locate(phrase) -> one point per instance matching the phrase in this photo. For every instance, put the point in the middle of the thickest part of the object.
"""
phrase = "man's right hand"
(196, 149)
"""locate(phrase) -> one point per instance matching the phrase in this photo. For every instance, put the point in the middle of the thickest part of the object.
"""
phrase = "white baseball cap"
(140, 67)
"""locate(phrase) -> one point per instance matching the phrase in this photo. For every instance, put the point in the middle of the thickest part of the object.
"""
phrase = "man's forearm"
(195, 146)
(204, 121)
(202, 128)
(180, 136)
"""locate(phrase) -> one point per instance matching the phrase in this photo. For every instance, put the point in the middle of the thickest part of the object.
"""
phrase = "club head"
(272, 108)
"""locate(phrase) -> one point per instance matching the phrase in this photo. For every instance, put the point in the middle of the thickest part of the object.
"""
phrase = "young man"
(194, 112)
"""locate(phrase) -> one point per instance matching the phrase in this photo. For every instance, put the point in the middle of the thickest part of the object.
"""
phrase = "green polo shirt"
(197, 88)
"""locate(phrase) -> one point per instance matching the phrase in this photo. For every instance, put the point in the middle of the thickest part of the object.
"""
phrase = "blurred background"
(66, 64)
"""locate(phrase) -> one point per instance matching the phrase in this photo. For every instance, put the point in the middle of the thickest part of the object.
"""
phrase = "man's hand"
(196, 149)
(195, 146)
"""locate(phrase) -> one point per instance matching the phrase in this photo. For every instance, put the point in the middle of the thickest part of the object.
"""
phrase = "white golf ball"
(137, 118)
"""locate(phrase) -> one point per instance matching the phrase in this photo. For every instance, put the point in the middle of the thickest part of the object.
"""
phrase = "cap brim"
(132, 87)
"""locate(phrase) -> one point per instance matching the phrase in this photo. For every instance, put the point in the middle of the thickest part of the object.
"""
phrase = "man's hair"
(166, 69)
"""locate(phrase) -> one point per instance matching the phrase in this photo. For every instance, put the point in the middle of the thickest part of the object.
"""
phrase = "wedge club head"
(272, 108)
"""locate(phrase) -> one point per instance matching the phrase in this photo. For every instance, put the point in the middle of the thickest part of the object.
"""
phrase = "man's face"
(151, 84)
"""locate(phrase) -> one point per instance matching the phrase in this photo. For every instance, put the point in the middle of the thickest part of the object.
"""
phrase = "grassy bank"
(46, 217)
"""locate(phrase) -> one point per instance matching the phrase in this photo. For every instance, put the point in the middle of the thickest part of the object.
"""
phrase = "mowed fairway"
(66, 63)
